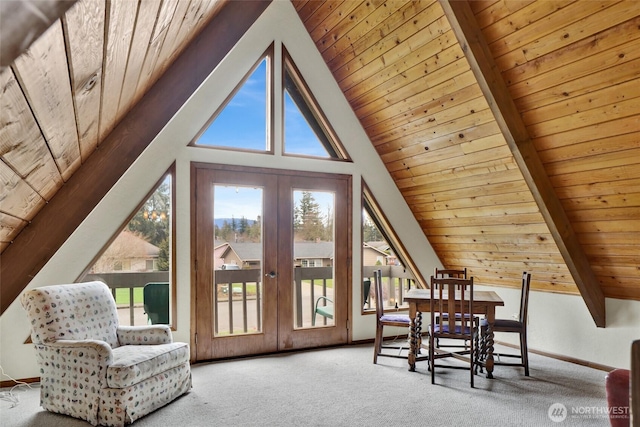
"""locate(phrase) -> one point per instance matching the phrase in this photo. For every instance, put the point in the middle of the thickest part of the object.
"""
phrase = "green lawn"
(122, 296)
(319, 283)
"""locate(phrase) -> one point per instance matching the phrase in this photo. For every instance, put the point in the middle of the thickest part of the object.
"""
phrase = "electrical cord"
(10, 395)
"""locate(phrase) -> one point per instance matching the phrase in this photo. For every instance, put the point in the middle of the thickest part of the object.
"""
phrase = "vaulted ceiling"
(512, 128)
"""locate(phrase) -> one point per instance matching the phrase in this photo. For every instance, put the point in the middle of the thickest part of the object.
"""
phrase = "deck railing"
(128, 280)
(238, 294)
(396, 281)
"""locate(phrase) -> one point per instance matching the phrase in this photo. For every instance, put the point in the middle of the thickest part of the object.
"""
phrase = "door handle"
(271, 274)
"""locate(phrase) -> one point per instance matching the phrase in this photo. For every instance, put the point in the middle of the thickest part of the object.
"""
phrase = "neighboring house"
(311, 254)
(306, 254)
(128, 252)
(246, 255)
(378, 253)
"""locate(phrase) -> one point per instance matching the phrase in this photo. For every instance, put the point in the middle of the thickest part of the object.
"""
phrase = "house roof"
(380, 246)
(253, 251)
(510, 128)
(138, 246)
(313, 250)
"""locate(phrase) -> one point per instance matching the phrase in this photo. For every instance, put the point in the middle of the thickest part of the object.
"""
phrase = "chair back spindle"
(443, 273)
(452, 317)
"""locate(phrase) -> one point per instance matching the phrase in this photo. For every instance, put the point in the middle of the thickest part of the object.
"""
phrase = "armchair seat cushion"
(135, 363)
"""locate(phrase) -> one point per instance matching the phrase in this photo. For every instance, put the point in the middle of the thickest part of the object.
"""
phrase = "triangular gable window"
(382, 249)
(242, 122)
(141, 255)
(306, 130)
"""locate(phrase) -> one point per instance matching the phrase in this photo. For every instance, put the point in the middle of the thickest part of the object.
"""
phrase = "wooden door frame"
(288, 336)
(342, 253)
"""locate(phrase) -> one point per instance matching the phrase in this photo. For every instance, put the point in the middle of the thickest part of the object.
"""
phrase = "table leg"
(488, 363)
(413, 344)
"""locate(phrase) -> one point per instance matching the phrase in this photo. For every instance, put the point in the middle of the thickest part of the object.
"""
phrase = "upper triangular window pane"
(306, 130)
(242, 122)
(299, 138)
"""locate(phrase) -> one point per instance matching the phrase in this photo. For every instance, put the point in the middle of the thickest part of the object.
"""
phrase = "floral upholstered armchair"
(93, 369)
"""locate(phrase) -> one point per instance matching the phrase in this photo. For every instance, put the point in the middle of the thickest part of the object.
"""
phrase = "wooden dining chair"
(452, 304)
(382, 320)
(518, 326)
(442, 273)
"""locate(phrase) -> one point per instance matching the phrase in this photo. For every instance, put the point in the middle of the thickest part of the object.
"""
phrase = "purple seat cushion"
(444, 328)
(396, 318)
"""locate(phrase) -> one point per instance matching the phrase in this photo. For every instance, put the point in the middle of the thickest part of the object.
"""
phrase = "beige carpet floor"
(342, 387)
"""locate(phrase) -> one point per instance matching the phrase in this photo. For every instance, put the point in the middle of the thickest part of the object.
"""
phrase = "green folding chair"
(156, 303)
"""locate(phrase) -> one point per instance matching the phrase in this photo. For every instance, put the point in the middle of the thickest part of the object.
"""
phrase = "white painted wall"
(558, 323)
(561, 324)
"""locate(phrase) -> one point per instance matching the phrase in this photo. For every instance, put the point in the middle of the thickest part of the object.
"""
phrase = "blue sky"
(232, 201)
(243, 124)
(243, 121)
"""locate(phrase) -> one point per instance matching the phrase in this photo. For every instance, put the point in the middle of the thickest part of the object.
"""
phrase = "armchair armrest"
(100, 349)
(144, 335)
(93, 356)
(73, 371)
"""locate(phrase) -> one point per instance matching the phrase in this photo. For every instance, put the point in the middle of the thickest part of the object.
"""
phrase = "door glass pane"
(237, 296)
(313, 249)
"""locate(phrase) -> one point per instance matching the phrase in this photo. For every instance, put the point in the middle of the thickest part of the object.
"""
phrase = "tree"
(244, 225)
(370, 232)
(226, 232)
(308, 224)
(255, 230)
(152, 220)
(328, 230)
(163, 256)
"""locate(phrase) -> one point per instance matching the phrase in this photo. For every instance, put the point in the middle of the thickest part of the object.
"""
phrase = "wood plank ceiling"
(570, 68)
(75, 83)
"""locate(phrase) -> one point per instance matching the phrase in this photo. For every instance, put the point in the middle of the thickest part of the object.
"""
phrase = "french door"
(269, 247)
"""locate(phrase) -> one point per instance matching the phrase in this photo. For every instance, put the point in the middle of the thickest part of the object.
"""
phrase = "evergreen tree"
(243, 226)
(308, 224)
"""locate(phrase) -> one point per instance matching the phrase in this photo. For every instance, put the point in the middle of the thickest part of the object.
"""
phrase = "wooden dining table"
(484, 302)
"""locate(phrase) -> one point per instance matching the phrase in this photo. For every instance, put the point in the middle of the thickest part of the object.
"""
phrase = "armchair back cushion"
(83, 311)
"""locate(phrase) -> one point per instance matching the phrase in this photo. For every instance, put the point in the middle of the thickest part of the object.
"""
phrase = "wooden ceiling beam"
(51, 227)
(22, 22)
(469, 34)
